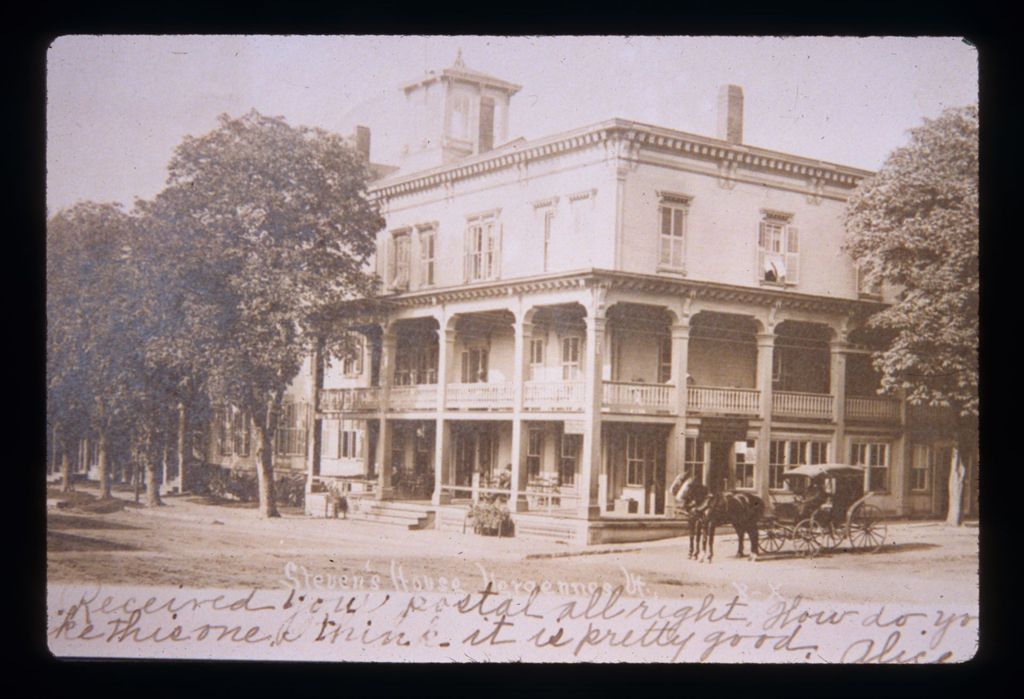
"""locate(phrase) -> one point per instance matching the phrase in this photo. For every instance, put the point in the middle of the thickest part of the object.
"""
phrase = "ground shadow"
(887, 549)
(60, 542)
(57, 521)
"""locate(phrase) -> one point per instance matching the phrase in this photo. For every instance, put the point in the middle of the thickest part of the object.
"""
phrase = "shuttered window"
(778, 252)
(482, 249)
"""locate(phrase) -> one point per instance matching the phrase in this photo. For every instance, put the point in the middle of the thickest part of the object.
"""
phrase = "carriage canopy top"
(826, 470)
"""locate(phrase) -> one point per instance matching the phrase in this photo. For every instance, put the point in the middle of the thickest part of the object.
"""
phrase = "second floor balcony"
(621, 397)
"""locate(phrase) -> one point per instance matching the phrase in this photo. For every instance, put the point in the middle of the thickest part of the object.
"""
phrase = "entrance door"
(718, 468)
(474, 451)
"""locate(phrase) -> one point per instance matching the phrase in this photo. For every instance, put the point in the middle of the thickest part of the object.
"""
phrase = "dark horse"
(707, 510)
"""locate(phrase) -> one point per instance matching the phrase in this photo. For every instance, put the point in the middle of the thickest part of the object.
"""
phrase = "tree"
(914, 226)
(91, 363)
(271, 233)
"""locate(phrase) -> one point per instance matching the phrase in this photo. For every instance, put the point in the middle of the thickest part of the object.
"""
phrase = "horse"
(693, 505)
(708, 510)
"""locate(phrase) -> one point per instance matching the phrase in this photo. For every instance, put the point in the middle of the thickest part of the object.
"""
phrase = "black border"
(46, 676)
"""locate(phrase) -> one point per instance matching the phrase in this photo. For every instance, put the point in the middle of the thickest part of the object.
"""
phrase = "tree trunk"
(957, 471)
(181, 447)
(102, 466)
(265, 466)
(65, 471)
(152, 486)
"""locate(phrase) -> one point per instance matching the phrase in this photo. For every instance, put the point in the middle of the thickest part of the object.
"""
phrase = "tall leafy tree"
(271, 232)
(92, 364)
(914, 225)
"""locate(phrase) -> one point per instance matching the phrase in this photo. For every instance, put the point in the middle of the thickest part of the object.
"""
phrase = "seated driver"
(813, 498)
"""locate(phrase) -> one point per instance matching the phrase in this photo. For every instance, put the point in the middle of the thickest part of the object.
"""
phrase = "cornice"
(643, 283)
(617, 133)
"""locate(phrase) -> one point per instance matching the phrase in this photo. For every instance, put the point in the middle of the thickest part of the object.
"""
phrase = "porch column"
(387, 360)
(523, 330)
(837, 385)
(765, 350)
(442, 432)
(677, 440)
(590, 468)
(316, 423)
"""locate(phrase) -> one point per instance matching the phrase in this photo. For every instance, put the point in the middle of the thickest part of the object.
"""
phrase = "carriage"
(829, 509)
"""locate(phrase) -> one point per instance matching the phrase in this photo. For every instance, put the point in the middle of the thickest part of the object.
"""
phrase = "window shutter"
(792, 255)
(496, 271)
(762, 243)
(465, 367)
(483, 365)
(467, 253)
(389, 254)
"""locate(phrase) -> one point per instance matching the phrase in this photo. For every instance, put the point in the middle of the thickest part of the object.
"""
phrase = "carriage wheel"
(867, 528)
(808, 537)
(773, 538)
(832, 536)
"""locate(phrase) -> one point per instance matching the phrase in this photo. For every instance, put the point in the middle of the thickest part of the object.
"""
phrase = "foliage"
(491, 518)
(241, 484)
(914, 226)
(270, 232)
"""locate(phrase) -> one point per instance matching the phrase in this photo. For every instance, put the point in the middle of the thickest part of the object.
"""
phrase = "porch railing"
(802, 404)
(479, 396)
(633, 397)
(881, 409)
(553, 395)
(416, 397)
(336, 400)
(709, 399)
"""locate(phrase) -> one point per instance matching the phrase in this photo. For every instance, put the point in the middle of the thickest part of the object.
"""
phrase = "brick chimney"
(361, 137)
(730, 113)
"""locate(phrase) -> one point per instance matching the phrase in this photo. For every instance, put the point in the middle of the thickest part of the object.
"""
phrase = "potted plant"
(491, 518)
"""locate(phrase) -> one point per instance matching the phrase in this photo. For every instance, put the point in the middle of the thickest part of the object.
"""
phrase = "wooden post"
(765, 351)
(589, 506)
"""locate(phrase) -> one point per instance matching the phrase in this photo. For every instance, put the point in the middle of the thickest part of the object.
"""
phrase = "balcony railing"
(336, 400)
(708, 399)
(818, 405)
(479, 396)
(553, 395)
(416, 397)
(629, 397)
(877, 409)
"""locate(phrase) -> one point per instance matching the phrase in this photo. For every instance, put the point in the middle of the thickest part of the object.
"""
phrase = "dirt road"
(192, 544)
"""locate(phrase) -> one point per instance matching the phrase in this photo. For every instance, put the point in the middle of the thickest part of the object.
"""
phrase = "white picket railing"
(626, 396)
(882, 409)
(553, 395)
(336, 400)
(416, 397)
(708, 399)
(481, 396)
(802, 404)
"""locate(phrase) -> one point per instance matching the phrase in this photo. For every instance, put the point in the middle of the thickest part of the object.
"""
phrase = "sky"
(118, 105)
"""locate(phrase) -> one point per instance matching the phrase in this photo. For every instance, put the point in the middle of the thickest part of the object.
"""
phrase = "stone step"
(410, 519)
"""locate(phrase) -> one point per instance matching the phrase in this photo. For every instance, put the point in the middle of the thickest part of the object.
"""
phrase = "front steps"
(404, 514)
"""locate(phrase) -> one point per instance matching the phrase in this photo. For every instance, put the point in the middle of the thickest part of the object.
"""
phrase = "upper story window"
(865, 285)
(352, 363)
(570, 358)
(482, 248)
(486, 134)
(544, 213)
(664, 359)
(474, 365)
(778, 249)
(398, 253)
(672, 214)
(536, 358)
(428, 251)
